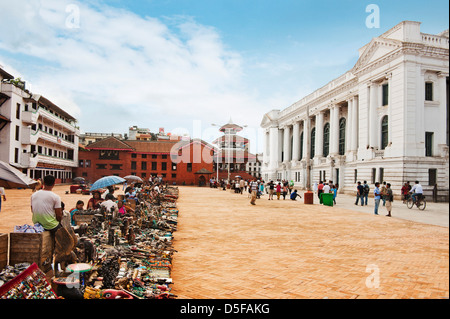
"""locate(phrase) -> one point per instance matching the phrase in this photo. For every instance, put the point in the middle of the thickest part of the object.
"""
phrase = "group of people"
(325, 188)
(257, 188)
(383, 193)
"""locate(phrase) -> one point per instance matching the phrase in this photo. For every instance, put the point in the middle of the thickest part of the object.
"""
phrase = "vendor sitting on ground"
(95, 201)
(121, 208)
(78, 207)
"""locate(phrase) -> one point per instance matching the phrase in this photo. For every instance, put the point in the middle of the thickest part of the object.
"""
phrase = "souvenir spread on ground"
(103, 254)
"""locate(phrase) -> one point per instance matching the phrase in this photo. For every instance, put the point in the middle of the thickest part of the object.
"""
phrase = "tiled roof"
(152, 146)
(110, 143)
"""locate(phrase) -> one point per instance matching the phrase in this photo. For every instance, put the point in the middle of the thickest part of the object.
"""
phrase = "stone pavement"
(279, 249)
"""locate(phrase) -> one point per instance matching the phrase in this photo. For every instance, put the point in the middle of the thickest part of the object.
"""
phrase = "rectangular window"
(355, 176)
(116, 166)
(174, 166)
(143, 166)
(87, 163)
(101, 166)
(133, 165)
(428, 91)
(17, 132)
(18, 111)
(164, 166)
(108, 155)
(385, 89)
(174, 175)
(144, 155)
(189, 167)
(133, 155)
(154, 166)
(381, 172)
(164, 156)
(428, 143)
(154, 156)
(16, 155)
(374, 175)
(144, 175)
(432, 176)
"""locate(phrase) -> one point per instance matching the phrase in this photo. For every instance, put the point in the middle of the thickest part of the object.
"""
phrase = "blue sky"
(184, 64)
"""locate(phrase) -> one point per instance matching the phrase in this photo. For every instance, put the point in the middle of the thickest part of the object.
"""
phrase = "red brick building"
(179, 162)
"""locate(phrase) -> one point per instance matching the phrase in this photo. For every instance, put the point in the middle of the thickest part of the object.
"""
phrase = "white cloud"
(122, 67)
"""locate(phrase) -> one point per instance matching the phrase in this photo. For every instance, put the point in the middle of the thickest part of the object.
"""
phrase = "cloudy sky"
(185, 64)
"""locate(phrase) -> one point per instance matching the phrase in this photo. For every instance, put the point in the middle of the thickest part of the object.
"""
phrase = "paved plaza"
(283, 249)
(230, 249)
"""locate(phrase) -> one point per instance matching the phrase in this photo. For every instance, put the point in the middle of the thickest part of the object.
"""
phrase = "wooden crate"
(31, 248)
(3, 250)
(83, 218)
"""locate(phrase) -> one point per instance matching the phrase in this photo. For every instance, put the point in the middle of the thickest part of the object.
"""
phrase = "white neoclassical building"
(386, 119)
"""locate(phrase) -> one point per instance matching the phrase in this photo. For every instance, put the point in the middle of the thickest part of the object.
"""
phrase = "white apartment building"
(36, 136)
(386, 119)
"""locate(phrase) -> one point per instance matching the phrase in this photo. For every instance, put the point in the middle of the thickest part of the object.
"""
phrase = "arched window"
(384, 132)
(326, 139)
(342, 136)
(313, 142)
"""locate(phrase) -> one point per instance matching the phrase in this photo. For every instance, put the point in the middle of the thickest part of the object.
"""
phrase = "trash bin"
(308, 197)
(327, 199)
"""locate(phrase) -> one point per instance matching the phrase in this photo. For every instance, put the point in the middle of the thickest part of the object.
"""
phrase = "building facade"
(36, 136)
(179, 162)
(386, 119)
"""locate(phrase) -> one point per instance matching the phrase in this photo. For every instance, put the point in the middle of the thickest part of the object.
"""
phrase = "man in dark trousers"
(359, 194)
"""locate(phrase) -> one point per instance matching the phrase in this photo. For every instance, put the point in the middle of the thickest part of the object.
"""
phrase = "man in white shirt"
(46, 206)
(326, 188)
(416, 190)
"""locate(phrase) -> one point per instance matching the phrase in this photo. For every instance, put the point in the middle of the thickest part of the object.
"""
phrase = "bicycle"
(421, 202)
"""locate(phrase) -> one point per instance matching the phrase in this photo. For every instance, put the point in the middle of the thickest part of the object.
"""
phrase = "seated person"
(121, 208)
(78, 207)
(294, 195)
(95, 201)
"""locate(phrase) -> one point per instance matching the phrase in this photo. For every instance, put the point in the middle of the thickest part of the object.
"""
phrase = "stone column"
(306, 138)
(348, 125)
(355, 117)
(334, 130)
(286, 144)
(441, 94)
(266, 153)
(373, 118)
(296, 141)
(319, 135)
(273, 142)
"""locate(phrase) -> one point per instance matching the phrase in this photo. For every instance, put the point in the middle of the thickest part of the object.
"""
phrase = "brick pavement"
(230, 249)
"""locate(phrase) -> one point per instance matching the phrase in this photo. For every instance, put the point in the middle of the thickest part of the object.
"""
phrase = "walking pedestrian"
(383, 193)
(254, 188)
(389, 199)
(366, 192)
(278, 189)
(377, 197)
(271, 190)
(319, 189)
(334, 191)
(285, 191)
(359, 194)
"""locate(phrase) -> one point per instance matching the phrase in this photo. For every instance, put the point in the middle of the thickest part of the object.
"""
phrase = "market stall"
(107, 255)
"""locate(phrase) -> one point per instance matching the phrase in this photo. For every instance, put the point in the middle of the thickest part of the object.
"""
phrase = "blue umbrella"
(107, 181)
